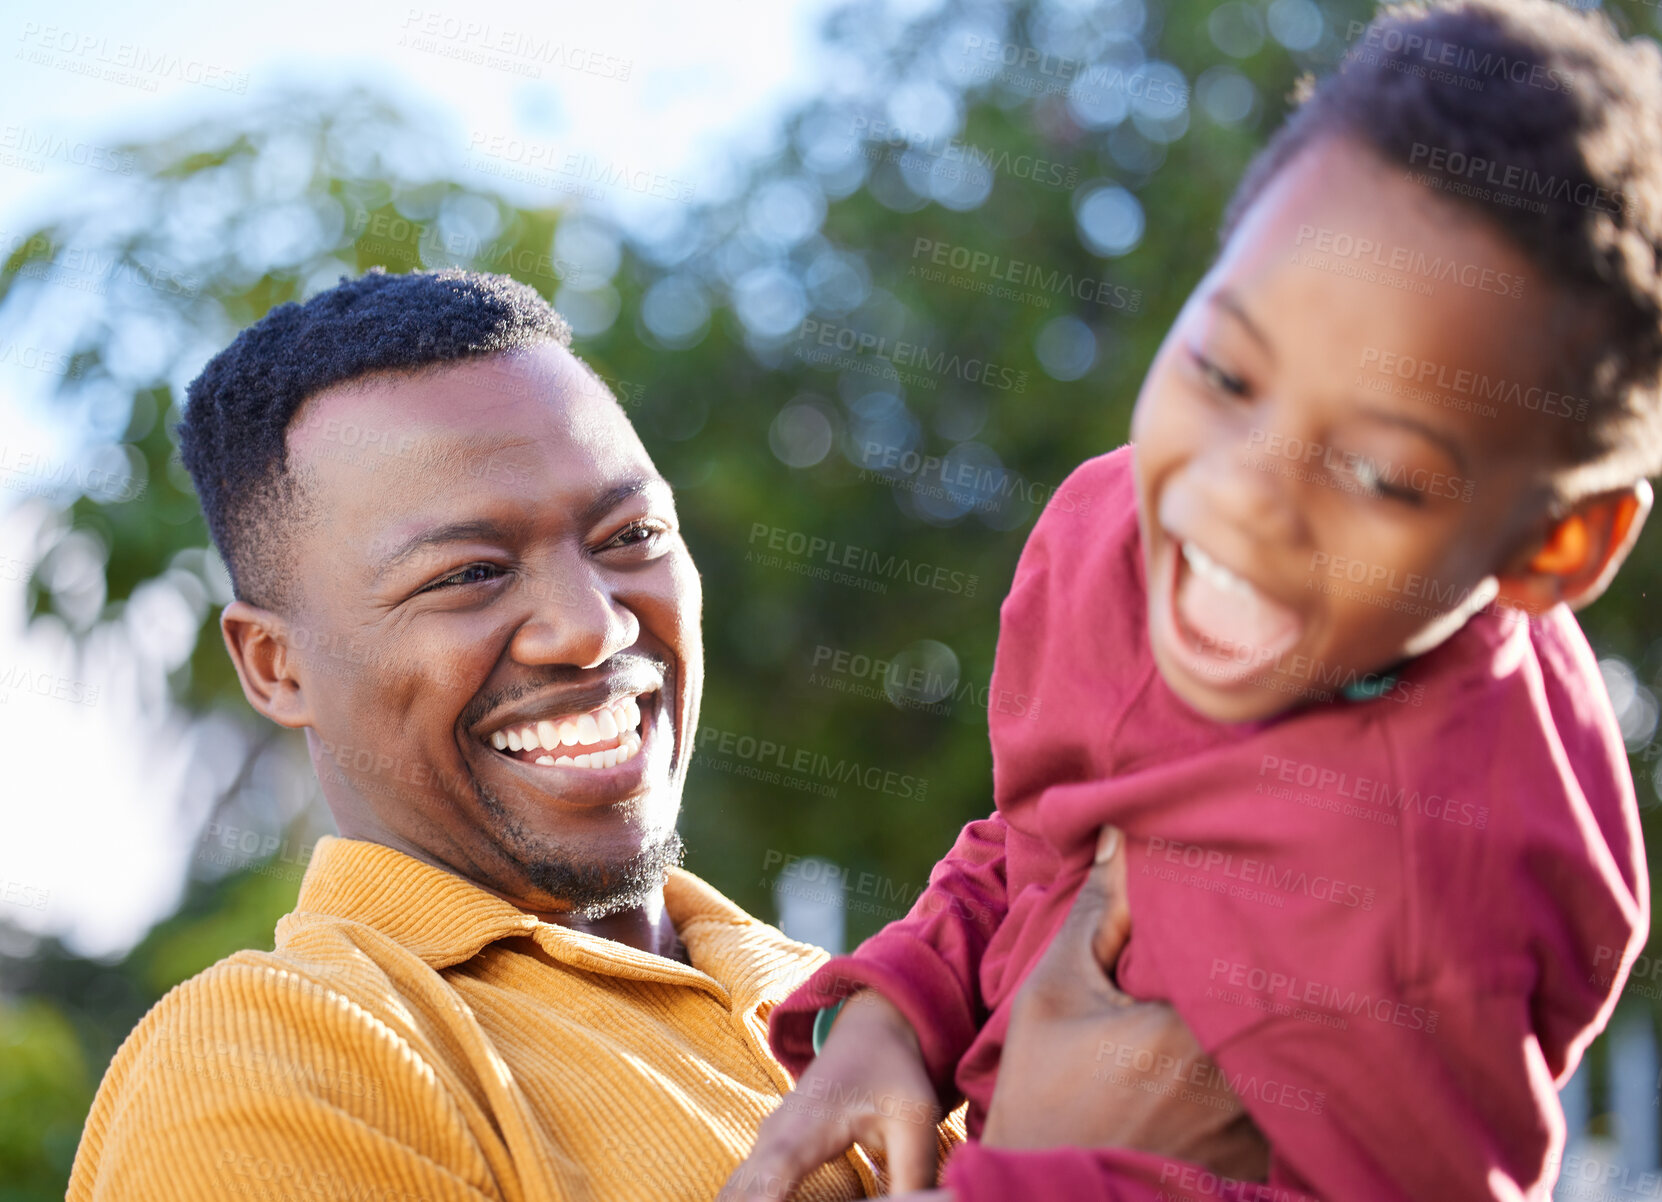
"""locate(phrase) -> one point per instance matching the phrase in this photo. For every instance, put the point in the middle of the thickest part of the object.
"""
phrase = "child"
(1310, 649)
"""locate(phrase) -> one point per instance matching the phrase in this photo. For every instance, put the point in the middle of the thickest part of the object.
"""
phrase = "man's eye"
(641, 533)
(474, 573)
(1216, 378)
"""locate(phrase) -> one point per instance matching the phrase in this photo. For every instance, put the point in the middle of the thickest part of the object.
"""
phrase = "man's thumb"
(1104, 893)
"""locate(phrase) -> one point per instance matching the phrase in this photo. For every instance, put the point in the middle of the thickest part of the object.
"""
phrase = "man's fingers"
(788, 1147)
(910, 1148)
(1106, 881)
(1098, 922)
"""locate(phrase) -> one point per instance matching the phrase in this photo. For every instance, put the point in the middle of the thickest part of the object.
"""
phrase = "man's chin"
(593, 885)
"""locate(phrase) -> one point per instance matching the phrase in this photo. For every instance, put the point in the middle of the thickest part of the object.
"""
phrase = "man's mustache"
(626, 672)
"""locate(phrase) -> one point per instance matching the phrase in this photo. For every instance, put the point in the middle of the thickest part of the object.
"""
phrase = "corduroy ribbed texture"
(414, 1037)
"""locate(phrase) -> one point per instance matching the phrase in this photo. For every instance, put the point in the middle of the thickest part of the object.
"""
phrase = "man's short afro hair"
(237, 413)
(1541, 120)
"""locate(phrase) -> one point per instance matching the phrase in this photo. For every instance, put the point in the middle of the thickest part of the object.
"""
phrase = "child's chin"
(1241, 703)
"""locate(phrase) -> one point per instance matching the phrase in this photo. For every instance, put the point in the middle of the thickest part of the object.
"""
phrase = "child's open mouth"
(1227, 630)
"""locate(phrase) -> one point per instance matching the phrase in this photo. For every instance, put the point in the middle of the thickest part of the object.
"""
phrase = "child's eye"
(1371, 476)
(474, 573)
(1216, 378)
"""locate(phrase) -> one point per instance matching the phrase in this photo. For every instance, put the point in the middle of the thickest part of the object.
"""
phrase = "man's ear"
(258, 642)
(1582, 552)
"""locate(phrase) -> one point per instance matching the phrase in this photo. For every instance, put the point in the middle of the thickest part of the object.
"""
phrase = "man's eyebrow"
(485, 530)
(471, 530)
(1413, 423)
(617, 494)
(1231, 304)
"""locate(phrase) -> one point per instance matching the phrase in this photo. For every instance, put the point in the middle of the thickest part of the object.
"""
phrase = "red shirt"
(1394, 923)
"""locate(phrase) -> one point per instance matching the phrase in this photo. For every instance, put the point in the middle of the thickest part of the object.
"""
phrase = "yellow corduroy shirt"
(414, 1037)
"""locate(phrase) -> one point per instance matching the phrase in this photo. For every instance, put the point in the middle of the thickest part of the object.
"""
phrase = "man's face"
(497, 630)
(1309, 515)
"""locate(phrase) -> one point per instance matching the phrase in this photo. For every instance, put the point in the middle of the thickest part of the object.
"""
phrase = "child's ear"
(1581, 553)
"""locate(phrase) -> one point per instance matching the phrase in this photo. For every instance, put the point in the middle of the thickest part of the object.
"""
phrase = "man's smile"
(599, 738)
(601, 744)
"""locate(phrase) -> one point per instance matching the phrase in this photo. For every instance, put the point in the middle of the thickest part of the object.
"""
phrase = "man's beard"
(593, 888)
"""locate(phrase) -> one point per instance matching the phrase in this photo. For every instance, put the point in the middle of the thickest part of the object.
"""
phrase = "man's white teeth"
(597, 726)
(610, 758)
(1213, 572)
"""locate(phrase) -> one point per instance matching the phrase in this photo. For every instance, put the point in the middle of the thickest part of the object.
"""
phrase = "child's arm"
(885, 1073)
(927, 965)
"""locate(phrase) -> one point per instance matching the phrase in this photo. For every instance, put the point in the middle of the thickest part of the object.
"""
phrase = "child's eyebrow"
(1413, 423)
(1226, 300)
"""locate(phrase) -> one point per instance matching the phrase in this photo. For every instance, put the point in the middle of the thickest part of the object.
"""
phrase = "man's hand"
(867, 1085)
(1086, 1065)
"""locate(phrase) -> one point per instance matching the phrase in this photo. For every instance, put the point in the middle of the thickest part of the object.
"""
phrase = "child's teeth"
(1213, 571)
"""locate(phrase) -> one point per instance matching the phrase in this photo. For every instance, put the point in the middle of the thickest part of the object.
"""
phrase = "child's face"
(1308, 514)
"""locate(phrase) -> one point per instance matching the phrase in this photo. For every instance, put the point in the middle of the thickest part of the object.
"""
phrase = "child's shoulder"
(1102, 485)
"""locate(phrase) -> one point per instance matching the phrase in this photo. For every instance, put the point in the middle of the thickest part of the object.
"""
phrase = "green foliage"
(45, 1089)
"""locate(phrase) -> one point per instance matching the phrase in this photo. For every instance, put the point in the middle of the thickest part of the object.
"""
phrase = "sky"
(681, 91)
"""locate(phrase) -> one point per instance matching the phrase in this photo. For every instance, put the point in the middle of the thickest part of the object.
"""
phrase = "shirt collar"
(446, 919)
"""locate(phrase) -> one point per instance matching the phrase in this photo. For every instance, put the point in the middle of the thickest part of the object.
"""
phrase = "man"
(458, 571)
(495, 984)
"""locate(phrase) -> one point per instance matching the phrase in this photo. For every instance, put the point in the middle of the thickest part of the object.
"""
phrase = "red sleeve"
(928, 964)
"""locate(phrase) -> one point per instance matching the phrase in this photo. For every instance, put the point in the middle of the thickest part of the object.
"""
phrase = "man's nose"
(577, 619)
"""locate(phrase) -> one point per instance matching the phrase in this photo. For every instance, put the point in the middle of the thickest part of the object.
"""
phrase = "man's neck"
(645, 927)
